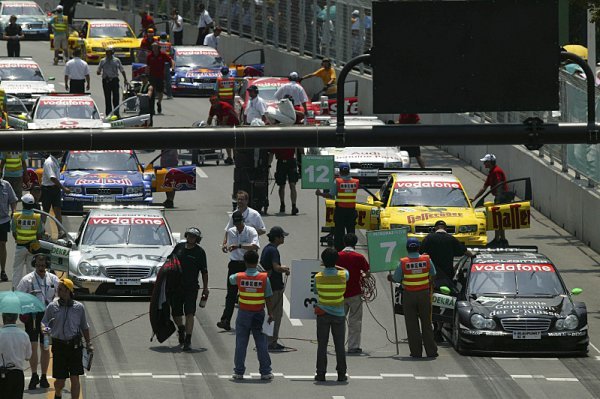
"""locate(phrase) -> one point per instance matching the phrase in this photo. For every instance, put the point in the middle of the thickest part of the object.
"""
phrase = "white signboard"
(303, 301)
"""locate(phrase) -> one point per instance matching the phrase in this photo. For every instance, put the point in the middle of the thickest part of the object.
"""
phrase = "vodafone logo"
(427, 184)
(517, 267)
(126, 221)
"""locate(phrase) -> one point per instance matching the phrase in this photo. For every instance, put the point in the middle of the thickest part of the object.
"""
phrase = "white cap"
(293, 76)
(28, 199)
(59, 7)
(488, 157)
(355, 12)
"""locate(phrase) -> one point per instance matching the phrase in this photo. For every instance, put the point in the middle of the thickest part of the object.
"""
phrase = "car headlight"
(98, 49)
(134, 190)
(185, 80)
(481, 323)
(469, 228)
(571, 322)
(394, 165)
(75, 189)
(87, 269)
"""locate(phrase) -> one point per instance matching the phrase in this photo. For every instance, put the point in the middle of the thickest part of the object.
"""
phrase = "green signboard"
(386, 247)
(317, 171)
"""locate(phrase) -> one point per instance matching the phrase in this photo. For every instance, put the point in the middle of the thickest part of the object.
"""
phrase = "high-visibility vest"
(415, 273)
(252, 291)
(27, 227)
(165, 47)
(331, 288)
(14, 162)
(225, 88)
(61, 24)
(346, 192)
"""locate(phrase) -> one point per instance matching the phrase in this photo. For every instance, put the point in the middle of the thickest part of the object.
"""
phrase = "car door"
(129, 105)
(57, 243)
(511, 214)
(180, 178)
(249, 63)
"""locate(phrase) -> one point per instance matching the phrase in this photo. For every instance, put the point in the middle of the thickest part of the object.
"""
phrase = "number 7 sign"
(386, 247)
(317, 171)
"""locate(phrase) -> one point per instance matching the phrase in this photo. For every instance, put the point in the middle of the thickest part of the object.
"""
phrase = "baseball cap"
(488, 157)
(163, 35)
(28, 199)
(59, 8)
(277, 231)
(68, 283)
(150, 30)
(412, 244)
(293, 76)
(345, 166)
(355, 12)
(326, 60)
(440, 222)
(237, 216)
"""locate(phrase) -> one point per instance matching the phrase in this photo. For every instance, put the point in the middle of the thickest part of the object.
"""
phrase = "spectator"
(8, 205)
(205, 22)
(357, 37)
(251, 216)
(13, 166)
(109, 68)
(212, 39)
(77, 72)
(177, 27)
(13, 35)
(16, 350)
(155, 65)
(413, 152)
(147, 23)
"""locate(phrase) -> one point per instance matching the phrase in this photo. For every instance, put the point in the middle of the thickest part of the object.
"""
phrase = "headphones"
(48, 262)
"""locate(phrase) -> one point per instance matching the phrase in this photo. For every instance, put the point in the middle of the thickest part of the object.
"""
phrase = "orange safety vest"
(252, 291)
(415, 273)
(346, 192)
(225, 88)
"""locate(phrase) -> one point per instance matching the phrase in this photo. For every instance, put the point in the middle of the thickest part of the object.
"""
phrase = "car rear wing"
(516, 248)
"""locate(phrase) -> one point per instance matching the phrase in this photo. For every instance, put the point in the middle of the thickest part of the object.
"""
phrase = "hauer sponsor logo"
(511, 217)
(511, 267)
(95, 179)
(412, 219)
(118, 220)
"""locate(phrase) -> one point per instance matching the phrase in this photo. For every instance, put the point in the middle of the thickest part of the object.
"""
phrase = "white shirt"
(256, 109)
(212, 41)
(251, 218)
(77, 69)
(204, 19)
(248, 236)
(293, 90)
(15, 347)
(51, 169)
(174, 27)
(44, 288)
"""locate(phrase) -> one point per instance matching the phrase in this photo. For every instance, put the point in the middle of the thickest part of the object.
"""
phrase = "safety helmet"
(193, 231)
(150, 31)
(225, 70)
(110, 48)
(293, 76)
(413, 244)
(344, 167)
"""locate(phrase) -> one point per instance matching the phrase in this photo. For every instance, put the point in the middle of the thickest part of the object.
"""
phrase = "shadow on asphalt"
(175, 349)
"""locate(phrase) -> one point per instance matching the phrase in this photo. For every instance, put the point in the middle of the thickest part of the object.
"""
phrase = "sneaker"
(342, 377)
(187, 345)
(158, 108)
(3, 276)
(433, 356)
(44, 382)
(238, 376)
(320, 377)
(282, 208)
(35, 380)
(267, 377)
(295, 210)
(276, 347)
(355, 350)
(181, 335)
(229, 161)
(224, 325)
(168, 204)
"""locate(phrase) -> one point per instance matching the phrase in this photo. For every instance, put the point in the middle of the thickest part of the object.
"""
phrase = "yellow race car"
(418, 198)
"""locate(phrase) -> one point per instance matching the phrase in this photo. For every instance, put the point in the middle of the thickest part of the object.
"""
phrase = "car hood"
(95, 178)
(427, 215)
(522, 307)
(364, 155)
(125, 255)
(68, 123)
(186, 72)
(20, 86)
(124, 42)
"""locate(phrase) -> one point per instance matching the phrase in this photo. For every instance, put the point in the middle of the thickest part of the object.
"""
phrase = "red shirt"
(225, 114)
(496, 176)
(354, 263)
(156, 64)
(147, 22)
(285, 154)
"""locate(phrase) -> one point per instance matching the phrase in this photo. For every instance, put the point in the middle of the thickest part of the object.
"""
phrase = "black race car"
(512, 300)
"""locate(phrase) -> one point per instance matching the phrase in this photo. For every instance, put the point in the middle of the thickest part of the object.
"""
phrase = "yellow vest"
(26, 227)
(331, 288)
(14, 162)
(61, 25)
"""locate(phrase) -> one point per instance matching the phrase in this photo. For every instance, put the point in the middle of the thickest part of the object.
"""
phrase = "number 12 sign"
(386, 247)
(317, 171)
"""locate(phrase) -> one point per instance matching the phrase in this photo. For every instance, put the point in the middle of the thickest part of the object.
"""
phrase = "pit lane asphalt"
(128, 365)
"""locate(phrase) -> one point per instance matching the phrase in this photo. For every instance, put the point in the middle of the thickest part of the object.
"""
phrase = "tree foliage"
(592, 5)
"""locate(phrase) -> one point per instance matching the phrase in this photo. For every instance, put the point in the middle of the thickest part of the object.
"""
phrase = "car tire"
(456, 335)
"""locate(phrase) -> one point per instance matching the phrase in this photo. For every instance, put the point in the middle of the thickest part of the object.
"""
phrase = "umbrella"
(323, 13)
(577, 49)
(20, 303)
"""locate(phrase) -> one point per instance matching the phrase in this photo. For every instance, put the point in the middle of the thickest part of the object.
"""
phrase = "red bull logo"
(103, 180)
(507, 217)
(177, 179)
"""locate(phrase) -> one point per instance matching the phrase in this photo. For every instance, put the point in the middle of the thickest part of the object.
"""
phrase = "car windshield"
(58, 109)
(110, 31)
(19, 10)
(267, 93)
(428, 193)
(126, 230)
(102, 160)
(27, 72)
(186, 59)
(514, 279)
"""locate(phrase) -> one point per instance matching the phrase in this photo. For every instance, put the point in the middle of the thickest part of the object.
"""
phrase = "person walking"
(344, 192)
(286, 171)
(413, 151)
(14, 170)
(270, 260)
(167, 48)
(27, 230)
(42, 285)
(60, 28)
(256, 108)
(155, 67)
(183, 299)
(240, 239)
(296, 93)
(169, 159)
(13, 34)
(330, 286)
(358, 267)
(226, 116)
(415, 273)
(15, 350)
(147, 22)
(205, 22)
(495, 176)
(109, 68)
(255, 291)
(177, 27)
(8, 205)
(66, 322)
(251, 216)
(52, 187)
(77, 74)
(146, 97)
(328, 76)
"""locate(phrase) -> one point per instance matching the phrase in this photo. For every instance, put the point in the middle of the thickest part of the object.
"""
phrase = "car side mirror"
(377, 203)
(576, 291)
(445, 290)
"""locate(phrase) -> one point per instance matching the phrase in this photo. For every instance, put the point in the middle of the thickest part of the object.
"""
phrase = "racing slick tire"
(455, 336)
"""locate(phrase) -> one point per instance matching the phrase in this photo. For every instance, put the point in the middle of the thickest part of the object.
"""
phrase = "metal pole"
(591, 42)
(591, 85)
(318, 230)
(394, 315)
(340, 92)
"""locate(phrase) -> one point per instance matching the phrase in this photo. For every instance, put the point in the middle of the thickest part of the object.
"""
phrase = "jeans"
(245, 323)
(337, 325)
(111, 94)
(232, 290)
(168, 90)
(13, 48)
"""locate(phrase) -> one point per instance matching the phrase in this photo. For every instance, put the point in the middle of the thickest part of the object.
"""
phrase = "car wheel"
(456, 335)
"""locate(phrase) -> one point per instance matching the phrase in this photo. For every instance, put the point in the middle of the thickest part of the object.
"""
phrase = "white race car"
(22, 78)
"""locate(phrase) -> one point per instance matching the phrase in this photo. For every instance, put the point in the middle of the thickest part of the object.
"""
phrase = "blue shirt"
(332, 310)
(413, 255)
(251, 271)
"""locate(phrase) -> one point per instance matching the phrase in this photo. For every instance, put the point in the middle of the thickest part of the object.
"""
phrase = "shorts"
(287, 170)
(4, 230)
(60, 42)
(51, 197)
(158, 84)
(66, 360)
(33, 327)
(183, 302)
(412, 151)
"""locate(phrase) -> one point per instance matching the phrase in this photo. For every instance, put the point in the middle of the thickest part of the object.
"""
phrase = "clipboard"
(267, 328)
(86, 359)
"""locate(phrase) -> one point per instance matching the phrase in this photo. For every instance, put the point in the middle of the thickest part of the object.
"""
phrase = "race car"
(513, 300)
(416, 198)
(70, 111)
(114, 177)
(31, 17)
(118, 251)
(22, 78)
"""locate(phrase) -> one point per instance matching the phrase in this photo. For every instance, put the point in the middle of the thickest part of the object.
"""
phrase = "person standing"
(226, 116)
(169, 159)
(256, 108)
(66, 321)
(15, 350)
(14, 168)
(27, 229)
(240, 239)
(344, 192)
(155, 62)
(226, 86)
(60, 28)
(146, 97)
(328, 76)
(8, 205)
(330, 286)
(147, 22)
(77, 74)
(212, 39)
(495, 177)
(109, 68)
(255, 291)
(42, 285)
(270, 260)
(205, 22)
(183, 300)
(296, 93)
(358, 267)
(13, 35)
(415, 273)
(52, 187)
(413, 151)
(177, 27)
(357, 36)
(286, 171)
(167, 48)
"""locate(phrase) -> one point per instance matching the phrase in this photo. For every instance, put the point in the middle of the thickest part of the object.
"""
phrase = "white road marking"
(521, 376)
(595, 348)
(300, 377)
(286, 309)
(135, 374)
(193, 374)
(505, 358)
(397, 375)
(597, 357)
(458, 376)
(338, 397)
(567, 379)
(366, 377)
(201, 173)
(169, 376)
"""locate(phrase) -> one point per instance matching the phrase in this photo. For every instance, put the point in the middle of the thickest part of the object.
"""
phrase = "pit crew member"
(156, 69)
(296, 93)
(328, 76)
